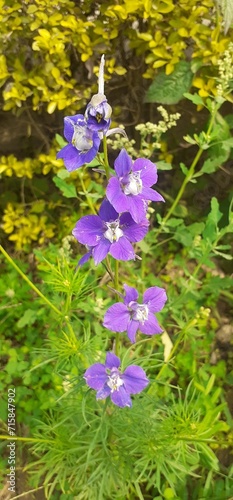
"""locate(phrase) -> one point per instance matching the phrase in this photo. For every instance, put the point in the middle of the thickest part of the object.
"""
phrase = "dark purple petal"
(137, 208)
(148, 173)
(70, 156)
(112, 361)
(69, 122)
(134, 232)
(123, 164)
(131, 294)
(88, 230)
(104, 392)
(135, 379)
(101, 250)
(96, 376)
(151, 326)
(117, 317)
(155, 297)
(88, 156)
(122, 250)
(132, 329)
(115, 195)
(85, 258)
(121, 397)
(150, 194)
(107, 212)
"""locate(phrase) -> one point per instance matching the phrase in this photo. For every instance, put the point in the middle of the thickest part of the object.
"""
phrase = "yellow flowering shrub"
(50, 53)
(25, 227)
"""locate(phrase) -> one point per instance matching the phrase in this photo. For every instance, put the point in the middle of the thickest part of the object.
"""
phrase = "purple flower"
(109, 232)
(131, 188)
(108, 381)
(98, 113)
(131, 316)
(84, 143)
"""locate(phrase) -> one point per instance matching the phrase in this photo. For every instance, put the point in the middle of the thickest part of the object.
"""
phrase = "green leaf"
(211, 165)
(184, 168)
(61, 142)
(68, 190)
(28, 318)
(229, 120)
(163, 165)
(195, 98)
(169, 89)
(213, 218)
(63, 173)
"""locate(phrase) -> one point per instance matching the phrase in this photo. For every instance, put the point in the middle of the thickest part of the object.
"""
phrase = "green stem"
(89, 200)
(116, 286)
(29, 282)
(30, 491)
(181, 191)
(188, 176)
(106, 164)
(29, 440)
(47, 301)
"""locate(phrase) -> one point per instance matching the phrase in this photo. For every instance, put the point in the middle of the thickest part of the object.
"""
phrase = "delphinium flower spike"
(107, 380)
(132, 316)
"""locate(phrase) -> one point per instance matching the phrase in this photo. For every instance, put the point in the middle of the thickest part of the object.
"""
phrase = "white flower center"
(113, 233)
(114, 382)
(141, 313)
(134, 185)
(80, 140)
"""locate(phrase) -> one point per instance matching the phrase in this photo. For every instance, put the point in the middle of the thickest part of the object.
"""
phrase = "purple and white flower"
(98, 111)
(107, 380)
(83, 143)
(130, 189)
(109, 232)
(132, 316)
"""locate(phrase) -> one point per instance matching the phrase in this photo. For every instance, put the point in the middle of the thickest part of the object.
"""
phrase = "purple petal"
(101, 250)
(132, 330)
(151, 326)
(122, 250)
(104, 392)
(133, 231)
(107, 212)
(137, 208)
(96, 376)
(89, 155)
(117, 317)
(70, 156)
(131, 294)
(69, 122)
(115, 195)
(123, 164)
(155, 297)
(112, 361)
(85, 258)
(148, 173)
(135, 379)
(152, 195)
(121, 397)
(88, 230)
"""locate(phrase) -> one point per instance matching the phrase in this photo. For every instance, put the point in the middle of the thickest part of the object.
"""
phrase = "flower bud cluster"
(150, 135)
(225, 69)
(122, 221)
